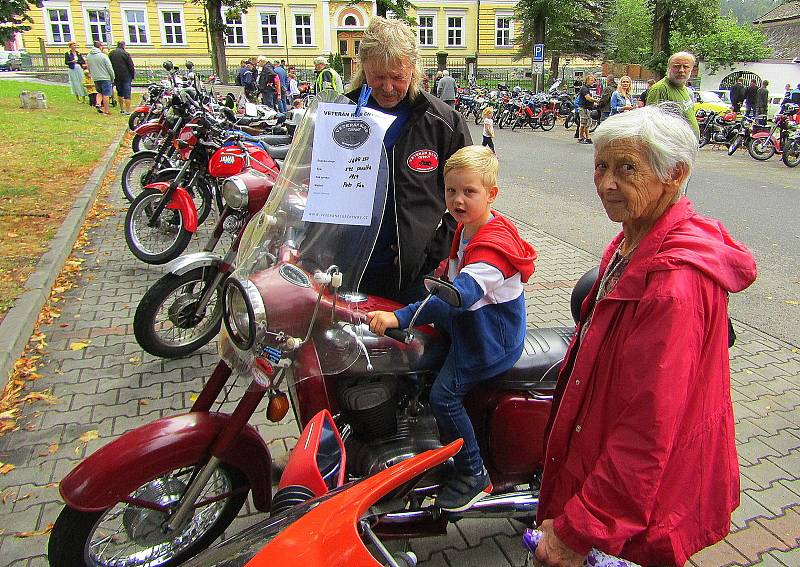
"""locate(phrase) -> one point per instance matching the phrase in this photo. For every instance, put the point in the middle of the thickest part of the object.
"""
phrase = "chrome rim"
(157, 239)
(130, 536)
(151, 141)
(175, 321)
(135, 174)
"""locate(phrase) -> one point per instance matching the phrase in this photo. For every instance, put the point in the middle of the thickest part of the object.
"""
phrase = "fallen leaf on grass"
(6, 468)
(43, 531)
(78, 345)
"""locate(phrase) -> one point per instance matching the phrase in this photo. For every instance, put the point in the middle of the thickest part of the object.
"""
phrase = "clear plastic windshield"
(287, 257)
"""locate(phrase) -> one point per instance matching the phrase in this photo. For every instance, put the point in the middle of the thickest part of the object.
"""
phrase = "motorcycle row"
(292, 332)
(750, 132)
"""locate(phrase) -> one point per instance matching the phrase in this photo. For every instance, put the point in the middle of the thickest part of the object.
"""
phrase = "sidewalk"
(112, 386)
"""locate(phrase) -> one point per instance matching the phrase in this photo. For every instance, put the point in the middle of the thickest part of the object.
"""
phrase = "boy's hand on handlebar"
(380, 321)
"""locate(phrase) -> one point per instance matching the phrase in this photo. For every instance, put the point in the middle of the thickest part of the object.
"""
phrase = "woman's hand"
(552, 552)
(380, 321)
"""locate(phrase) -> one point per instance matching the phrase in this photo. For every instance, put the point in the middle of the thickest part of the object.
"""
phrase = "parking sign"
(538, 52)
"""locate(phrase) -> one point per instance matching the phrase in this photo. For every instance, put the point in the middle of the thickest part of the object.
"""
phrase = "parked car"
(709, 100)
(9, 61)
(25, 58)
(725, 95)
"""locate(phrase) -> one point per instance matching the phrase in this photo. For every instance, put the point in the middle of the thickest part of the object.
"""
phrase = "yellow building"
(295, 30)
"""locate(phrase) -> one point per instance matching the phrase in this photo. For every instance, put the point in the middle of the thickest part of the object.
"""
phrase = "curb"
(18, 324)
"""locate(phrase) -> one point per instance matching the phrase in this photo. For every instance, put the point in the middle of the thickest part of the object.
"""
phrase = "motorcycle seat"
(275, 139)
(542, 354)
(278, 152)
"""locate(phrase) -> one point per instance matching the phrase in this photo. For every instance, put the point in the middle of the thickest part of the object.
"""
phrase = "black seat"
(278, 152)
(275, 139)
(538, 366)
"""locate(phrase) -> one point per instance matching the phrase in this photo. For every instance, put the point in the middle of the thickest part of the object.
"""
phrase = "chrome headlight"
(244, 313)
(234, 191)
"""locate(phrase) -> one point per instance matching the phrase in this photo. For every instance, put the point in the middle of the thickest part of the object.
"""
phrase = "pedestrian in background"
(75, 62)
(102, 73)
(750, 98)
(446, 89)
(326, 77)
(266, 82)
(488, 128)
(124, 73)
(88, 84)
(762, 99)
(604, 105)
(672, 88)
(737, 96)
(587, 103)
(643, 96)
(294, 89)
(621, 99)
(283, 95)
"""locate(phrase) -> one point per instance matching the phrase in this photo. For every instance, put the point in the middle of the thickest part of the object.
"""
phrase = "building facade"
(295, 30)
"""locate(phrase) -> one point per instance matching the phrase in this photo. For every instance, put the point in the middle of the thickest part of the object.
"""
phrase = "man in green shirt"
(673, 87)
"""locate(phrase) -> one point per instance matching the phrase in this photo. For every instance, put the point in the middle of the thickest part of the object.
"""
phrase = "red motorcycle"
(295, 322)
(764, 145)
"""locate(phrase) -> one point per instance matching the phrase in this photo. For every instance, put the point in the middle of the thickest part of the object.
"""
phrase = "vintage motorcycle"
(764, 145)
(717, 128)
(295, 322)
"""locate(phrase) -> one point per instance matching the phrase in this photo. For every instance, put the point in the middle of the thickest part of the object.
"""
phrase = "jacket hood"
(500, 237)
(682, 237)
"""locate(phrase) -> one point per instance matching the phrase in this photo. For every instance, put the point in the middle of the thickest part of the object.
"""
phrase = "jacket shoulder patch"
(423, 161)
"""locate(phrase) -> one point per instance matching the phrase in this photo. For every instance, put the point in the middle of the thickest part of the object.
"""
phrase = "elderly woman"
(416, 230)
(641, 459)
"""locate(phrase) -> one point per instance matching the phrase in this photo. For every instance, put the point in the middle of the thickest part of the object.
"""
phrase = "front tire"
(548, 121)
(84, 539)
(155, 244)
(791, 153)
(148, 142)
(136, 119)
(138, 172)
(761, 148)
(165, 323)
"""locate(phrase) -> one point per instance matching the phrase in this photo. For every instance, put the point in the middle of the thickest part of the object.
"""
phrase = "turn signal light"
(278, 407)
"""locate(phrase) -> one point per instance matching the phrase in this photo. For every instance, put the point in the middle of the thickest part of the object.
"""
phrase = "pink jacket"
(641, 457)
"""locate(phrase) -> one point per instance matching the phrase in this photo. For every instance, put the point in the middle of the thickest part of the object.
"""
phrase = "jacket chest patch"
(423, 161)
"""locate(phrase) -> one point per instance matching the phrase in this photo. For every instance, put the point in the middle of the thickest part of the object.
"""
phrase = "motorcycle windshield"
(288, 257)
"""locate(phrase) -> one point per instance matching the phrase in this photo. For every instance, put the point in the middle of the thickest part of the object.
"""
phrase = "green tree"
(688, 18)
(14, 17)
(400, 9)
(725, 44)
(745, 11)
(214, 23)
(630, 31)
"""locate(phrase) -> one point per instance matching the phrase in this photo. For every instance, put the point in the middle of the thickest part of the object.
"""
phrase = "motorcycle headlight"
(234, 191)
(244, 313)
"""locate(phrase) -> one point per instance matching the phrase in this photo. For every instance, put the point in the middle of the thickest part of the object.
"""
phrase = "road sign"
(538, 52)
(538, 67)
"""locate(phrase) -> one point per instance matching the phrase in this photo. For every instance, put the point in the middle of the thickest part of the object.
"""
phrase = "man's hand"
(380, 321)
(552, 552)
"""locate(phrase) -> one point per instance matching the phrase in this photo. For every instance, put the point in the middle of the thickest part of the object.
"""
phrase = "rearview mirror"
(446, 291)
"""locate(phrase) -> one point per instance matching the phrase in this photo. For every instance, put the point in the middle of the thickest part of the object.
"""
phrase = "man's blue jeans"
(447, 402)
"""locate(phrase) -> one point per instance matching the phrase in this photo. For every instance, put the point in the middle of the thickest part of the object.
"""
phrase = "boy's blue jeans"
(447, 402)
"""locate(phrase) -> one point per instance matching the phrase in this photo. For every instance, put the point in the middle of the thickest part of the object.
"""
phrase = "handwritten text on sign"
(344, 164)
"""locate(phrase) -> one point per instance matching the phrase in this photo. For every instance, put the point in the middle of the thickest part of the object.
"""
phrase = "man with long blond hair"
(416, 229)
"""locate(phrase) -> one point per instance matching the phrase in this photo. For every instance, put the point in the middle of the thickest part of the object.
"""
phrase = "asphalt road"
(546, 180)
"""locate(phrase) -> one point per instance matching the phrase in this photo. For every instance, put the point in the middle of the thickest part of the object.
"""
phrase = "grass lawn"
(45, 159)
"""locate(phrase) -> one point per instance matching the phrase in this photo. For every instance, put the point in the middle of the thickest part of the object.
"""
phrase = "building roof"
(788, 11)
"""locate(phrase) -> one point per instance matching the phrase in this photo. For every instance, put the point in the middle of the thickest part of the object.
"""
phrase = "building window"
(343, 47)
(350, 21)
(59, 25)
(455, 31)
(426, 28)
(302, 29)
(503, 31)
(172, 24)
(234, 30)
(99, 25)
(135, 23)
(269, 28)
(356, 45)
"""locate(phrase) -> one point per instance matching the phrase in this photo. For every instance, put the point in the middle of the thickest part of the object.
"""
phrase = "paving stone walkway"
(112, 386)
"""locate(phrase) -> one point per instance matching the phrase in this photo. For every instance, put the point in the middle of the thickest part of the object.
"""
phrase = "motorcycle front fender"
(759, 135)
(143, 109)
(181, 201)
(188, 262)
(149, 127)
(117, 469)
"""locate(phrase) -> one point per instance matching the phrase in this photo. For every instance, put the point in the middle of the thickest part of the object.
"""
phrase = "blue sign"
(538, 52)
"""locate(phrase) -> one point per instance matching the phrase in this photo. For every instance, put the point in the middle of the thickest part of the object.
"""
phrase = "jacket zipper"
(396, 225)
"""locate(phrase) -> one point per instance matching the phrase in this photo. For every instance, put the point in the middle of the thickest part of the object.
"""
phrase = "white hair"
(666, 137)
(445, 73)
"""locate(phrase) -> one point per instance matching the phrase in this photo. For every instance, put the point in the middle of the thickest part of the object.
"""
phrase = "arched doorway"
(745, 76)
(350, 23)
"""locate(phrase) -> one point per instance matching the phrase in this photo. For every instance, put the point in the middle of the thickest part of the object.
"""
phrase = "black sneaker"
(588, 141)
(462, 491)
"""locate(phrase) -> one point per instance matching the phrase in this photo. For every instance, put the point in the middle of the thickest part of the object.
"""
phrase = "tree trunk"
(216, 33)
(661, 23)
(554, 63)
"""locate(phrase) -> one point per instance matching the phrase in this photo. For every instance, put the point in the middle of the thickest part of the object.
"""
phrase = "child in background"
(488, 127)
(90, 89)
(488, 264)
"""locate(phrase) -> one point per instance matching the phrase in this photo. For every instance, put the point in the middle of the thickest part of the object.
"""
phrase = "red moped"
(295, 323)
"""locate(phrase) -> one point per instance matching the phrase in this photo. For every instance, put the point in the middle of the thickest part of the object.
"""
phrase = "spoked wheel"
(568, 120)
(791, 153)
(548, 121)
(136, 119)
(133, 536)
(761, 148)
(149, 142)
(517, 122)
(737, 141)
(155, 244)
(167, 323)
(202, 194)
(593, 124)
(137, 173)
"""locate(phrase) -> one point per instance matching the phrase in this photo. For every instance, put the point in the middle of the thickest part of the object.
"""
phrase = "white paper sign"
(344, 164)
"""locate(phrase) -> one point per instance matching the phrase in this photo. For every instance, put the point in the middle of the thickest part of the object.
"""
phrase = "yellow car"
(709, 100)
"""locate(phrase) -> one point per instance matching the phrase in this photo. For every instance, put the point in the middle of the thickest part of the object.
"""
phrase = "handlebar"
(399, 335)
